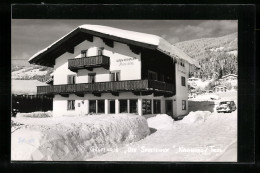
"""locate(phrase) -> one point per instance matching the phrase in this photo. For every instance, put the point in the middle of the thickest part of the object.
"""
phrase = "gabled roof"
(85, 32)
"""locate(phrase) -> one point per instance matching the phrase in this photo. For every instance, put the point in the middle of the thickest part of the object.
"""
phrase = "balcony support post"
(106, 106)
(140, 110)
(117, 106)
(128, 106)
(86, 105)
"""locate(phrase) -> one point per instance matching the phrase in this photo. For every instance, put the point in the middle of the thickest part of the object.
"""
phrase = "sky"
(32, 35)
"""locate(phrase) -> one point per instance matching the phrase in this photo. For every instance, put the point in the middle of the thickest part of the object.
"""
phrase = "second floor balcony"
(138, 87)
(88, 63)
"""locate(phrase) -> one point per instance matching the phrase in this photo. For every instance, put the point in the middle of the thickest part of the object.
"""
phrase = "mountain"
(200, 48)
(217, 56)
(32, 72)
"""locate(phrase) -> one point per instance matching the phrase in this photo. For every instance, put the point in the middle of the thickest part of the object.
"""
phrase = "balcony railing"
(88, 62)
(103, 87)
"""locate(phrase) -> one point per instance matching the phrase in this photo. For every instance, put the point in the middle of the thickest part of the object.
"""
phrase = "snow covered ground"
(200, 136)
(73, 138)
(204, 136)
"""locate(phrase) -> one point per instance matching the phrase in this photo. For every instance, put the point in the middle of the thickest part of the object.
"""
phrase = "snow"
(25, 86)
(201, 136)
(161, 121)
(28, 72)
(74, 138)
(233, 52)
(162, 44)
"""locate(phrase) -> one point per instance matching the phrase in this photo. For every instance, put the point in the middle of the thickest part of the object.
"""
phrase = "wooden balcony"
(88, 63)
(138, 87)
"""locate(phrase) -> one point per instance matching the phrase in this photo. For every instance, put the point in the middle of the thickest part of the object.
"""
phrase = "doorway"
(112, 106)
(168, 107)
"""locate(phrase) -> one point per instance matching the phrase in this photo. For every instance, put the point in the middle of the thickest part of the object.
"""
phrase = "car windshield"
(221, 103)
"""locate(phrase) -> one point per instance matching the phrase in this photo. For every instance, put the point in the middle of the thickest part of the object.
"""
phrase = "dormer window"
(84, 53)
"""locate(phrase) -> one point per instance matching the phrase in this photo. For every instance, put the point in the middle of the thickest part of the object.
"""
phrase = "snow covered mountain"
(32, 72)
(201, 48)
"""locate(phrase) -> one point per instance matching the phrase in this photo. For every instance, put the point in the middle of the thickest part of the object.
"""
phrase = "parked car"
(226, 106)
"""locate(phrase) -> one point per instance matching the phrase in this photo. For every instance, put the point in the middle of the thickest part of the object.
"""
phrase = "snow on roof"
(25, 86)
(161, 44)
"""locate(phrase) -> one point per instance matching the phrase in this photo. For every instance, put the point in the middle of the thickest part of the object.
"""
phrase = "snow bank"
(161, 122)
(75, 138)
(35, 114)
(195, 117)
(206, 97)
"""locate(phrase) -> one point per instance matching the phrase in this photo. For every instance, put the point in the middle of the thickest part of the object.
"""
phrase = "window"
(84, 53)
(183, 81)
(123, 106)
(133, 106)
(92, 77)
(156, 106)
(112, 106)
(183, 104)
(100, 51)
(161, 77)
(71, 105)
(101, 106)
(114, 76)
(71, 79)
(152, 75)
(146, 106)
(92, 106)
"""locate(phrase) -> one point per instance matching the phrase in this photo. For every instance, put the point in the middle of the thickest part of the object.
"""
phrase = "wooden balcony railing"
(88, 62)
(102, 87)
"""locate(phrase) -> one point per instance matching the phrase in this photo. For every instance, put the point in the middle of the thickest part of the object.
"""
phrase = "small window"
(114, 76)
(84, 53)
(183, 82)
(71, 79)
(100, 51)
(92, 77)
(71, 105)
(152, 75)
(183, 104)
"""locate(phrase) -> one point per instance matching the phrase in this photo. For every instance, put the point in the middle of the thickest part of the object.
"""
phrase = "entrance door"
(168, 107)
(112, 105)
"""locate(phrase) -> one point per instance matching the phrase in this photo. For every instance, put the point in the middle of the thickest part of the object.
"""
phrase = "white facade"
(119, 55)
(128, 64)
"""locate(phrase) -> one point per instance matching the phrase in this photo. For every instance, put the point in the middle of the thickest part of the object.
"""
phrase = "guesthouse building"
(105, 70)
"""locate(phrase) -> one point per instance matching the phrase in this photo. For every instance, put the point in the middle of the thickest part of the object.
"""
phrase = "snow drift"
(195, 117)
(75, 138)
(161, 122)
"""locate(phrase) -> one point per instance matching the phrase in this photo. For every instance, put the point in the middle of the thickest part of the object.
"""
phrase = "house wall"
(82, 103)
(181, 91)
(121, 59)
